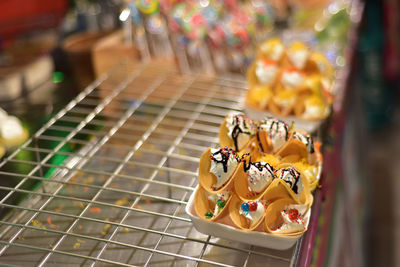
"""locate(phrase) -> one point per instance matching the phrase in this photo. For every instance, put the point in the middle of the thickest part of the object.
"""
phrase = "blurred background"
(52, 50)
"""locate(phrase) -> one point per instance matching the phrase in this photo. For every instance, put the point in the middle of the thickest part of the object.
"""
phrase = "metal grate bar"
(247, 258)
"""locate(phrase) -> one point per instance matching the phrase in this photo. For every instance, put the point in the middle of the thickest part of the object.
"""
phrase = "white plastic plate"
(228, 232)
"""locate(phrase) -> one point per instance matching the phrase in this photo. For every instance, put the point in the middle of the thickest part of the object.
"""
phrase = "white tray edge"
(260, 239)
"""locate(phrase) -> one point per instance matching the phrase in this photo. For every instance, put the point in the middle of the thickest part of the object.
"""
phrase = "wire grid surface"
(134, 137)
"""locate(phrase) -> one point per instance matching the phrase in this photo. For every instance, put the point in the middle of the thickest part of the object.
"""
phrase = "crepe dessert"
(247, 215)
(292, 178)
(12, 133)
(295, 81)
(273, 134)
(236, 131)
(295, 183)
(298, 54)
(286, 218)
(216, 168)
(211, 206)
(272, 49)
(292, 78)
(266, 71)
(252, 178)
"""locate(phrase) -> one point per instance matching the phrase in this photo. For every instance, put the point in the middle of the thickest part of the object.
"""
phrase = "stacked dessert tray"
(115, 170)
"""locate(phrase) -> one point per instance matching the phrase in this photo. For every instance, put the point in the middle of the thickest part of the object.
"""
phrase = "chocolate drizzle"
(296, 176)
(235, 134)
(241, 126)
(260, 166)
(225, 154)
(259, 142)
(275, 125)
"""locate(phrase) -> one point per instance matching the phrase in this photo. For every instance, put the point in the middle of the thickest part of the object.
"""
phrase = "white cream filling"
(296, 225)
(258, 180)
(254, 216)
(290, 180)
(301, 137)
(292, 79)
(277, 132)
(299, 58)
(213, 198)
(218, 168)
(275, 53)
(266, 73)
(245, 124)
(11, 128)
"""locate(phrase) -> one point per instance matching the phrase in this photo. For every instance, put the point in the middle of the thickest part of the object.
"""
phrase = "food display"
(261, 178)
(290, 80)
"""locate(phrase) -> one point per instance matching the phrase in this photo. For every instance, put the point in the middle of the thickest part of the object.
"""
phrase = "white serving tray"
(228, 232)
(309, 126)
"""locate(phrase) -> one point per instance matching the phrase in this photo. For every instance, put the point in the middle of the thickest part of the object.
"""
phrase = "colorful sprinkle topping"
(293, 214)
(245, 208)
(209, 215)
(252, 206)
(221, 202)
(225, 154)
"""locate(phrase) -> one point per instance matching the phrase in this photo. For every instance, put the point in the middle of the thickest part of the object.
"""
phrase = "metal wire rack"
(114, 170)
